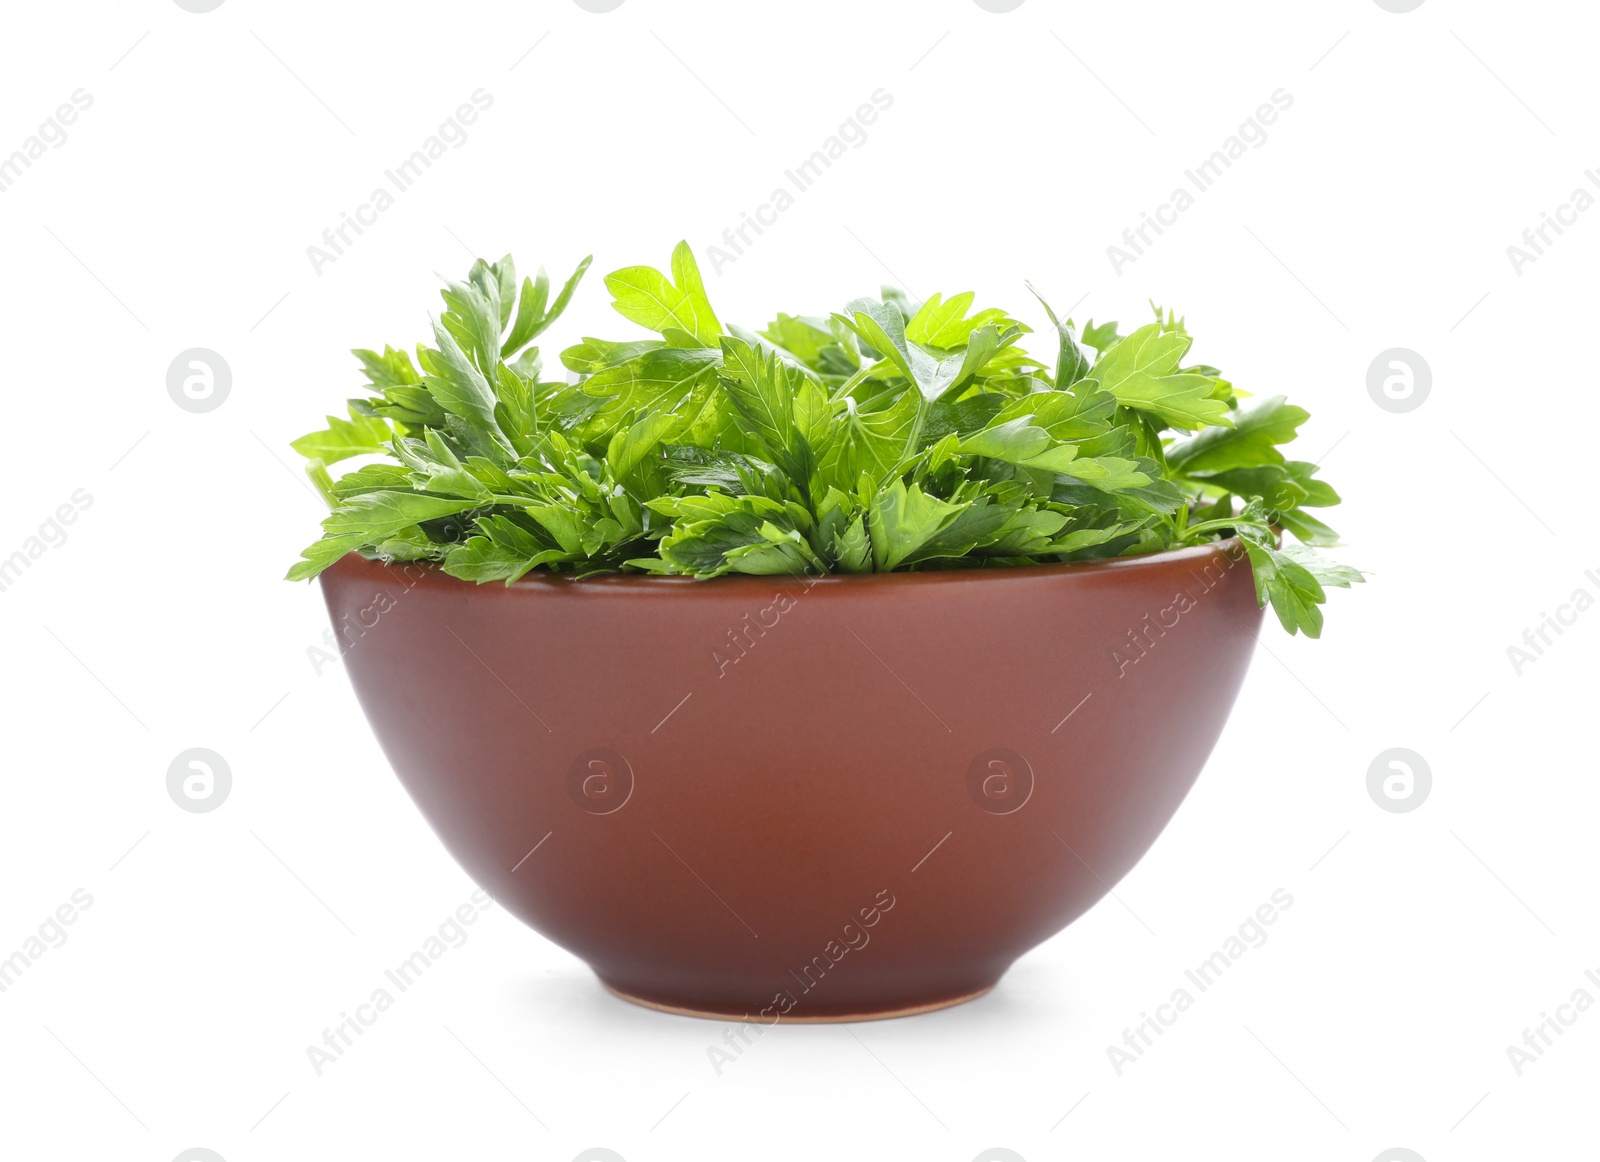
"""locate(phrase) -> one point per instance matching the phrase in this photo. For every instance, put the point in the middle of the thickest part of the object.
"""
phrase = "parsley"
(891, 435)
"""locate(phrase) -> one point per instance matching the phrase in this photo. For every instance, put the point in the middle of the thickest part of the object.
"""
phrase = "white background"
(1018, 146)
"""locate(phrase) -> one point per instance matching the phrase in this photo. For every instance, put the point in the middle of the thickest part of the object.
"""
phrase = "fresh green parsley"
(892, 434)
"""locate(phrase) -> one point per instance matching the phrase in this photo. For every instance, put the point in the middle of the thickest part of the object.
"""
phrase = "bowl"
(801, 798)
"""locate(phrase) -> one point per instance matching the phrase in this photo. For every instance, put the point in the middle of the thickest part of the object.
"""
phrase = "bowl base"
(790, 1019)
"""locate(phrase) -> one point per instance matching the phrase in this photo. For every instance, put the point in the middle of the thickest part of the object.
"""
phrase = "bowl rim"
(429, 572)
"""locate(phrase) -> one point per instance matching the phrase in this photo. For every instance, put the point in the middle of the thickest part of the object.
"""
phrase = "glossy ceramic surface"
(823, 799)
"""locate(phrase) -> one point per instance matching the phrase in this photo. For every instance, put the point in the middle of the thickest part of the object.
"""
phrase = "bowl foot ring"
(791, 1019)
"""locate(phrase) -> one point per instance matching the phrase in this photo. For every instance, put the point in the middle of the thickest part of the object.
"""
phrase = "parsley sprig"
(893, 434)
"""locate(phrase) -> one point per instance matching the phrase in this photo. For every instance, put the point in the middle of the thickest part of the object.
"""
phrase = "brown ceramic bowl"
(817, 799)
